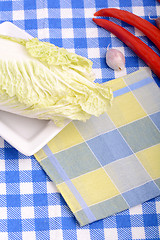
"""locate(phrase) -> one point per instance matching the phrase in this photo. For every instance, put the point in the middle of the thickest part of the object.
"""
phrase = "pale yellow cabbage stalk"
(40, 80)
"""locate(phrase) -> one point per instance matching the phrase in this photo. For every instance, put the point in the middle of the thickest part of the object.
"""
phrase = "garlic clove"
(115, 59)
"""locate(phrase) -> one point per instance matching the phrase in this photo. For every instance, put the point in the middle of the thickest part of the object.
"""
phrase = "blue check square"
(56, 41)
(68, 223)
(41, 224)
(156, 119)
(124, 4)
(13, 200)
(103, 62)
(30, 24)
(123, 221)
(40, 199)
(78, 23)
(150, 220)
(77, 4)
(14, 225)
(132, 60)
(109, 147)
(12, 176)
(102, 42)
(6, 5)
(101, 4)
(38, 176)
(53, 4)
(54, 23)
(97, 225)
(80, 43)
(29, 4)
(141, 194)
(10, 153)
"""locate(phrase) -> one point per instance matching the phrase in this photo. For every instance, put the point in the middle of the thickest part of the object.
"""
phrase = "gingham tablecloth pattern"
(30, 206)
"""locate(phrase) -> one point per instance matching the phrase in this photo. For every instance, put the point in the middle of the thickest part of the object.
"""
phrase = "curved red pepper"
(152, 32)
(138, 46)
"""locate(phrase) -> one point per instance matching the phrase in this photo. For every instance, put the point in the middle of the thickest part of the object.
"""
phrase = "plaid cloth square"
(110, 163)
(37, 209)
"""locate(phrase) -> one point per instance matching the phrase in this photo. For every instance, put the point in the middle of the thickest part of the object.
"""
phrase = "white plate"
(25, 134)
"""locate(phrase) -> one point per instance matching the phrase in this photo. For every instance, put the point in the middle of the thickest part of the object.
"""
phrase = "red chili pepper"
(152, 32)
(138, 46)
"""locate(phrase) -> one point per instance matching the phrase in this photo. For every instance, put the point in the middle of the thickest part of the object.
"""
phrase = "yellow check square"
(68, 137)
(95, 186)
(115, 85)
(125, 109)
(150, 159)
(40, 155)
(69, 197)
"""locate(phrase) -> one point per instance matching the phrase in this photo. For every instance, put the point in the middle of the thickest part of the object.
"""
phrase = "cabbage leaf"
(41, 80)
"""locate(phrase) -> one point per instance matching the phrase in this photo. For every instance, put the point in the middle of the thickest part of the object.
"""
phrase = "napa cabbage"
(41, 80)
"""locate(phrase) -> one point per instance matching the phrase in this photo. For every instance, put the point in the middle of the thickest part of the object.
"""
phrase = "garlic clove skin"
(115, 59)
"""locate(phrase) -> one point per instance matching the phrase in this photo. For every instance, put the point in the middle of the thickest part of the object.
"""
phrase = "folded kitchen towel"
(112, 162)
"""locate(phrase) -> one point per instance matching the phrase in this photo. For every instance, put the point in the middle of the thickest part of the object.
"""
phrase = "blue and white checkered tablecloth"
(30, 205)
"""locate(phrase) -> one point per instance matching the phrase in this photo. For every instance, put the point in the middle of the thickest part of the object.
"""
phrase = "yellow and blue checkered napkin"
(110, 163)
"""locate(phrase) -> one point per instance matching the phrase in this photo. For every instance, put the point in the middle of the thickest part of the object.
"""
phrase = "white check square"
(43, 33)
(91, 32)
(25, 164)
(111, 233)
(51, 187)
(136, 210)
(138, 10)
(27, 212)
(26, 188)
(89, 12)
(138, 233)
(2, 165)
(3, 213)
(1, 143)
(66, 13)
(18, 15)
(158, 207)
(93, 53)
(2, 188)
(54, 211)
(83, 234)
(29, 235)
(3, 235)
(67, 33)
(98, 73)
(42, 13)
(56, 234)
